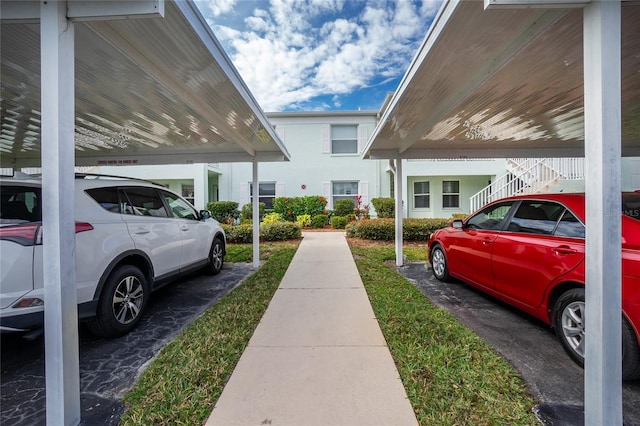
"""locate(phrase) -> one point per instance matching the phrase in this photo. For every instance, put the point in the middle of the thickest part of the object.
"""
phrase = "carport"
(534, 78)
(113, 83)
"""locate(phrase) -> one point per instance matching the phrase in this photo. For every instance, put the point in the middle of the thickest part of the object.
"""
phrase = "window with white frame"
(344, 139)
(345, 190)
(451, 194)
(421, 195)
(266, 193)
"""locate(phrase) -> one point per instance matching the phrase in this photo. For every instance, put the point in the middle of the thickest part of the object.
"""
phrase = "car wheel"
(439, 263)
(630, 352)
(122, 303)
(569, 322)
(216, 257)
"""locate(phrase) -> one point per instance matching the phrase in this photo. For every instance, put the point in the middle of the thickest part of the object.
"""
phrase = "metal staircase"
(529, 176)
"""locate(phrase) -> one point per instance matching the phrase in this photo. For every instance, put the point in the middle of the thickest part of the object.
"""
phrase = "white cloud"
(290, 51)
(216, 7)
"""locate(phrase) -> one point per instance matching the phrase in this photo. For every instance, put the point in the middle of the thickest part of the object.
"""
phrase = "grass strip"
(182, 384)
(452, 377)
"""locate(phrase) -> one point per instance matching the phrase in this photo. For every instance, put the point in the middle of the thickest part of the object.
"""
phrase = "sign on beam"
(83, 10)
(547, 4)
(108, 10)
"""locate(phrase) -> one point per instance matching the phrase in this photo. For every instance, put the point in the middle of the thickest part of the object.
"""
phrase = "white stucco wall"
(312, 168)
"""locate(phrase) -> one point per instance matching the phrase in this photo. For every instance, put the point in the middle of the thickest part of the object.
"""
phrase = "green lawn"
(451, 376)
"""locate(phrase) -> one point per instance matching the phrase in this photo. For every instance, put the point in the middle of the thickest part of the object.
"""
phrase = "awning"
(503, 83)
(148, 91)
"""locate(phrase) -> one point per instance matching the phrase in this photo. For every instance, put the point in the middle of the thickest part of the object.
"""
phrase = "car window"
(20, 204)
(180, 208)
(491, 217)
(143, 201)
(107, 198)
(569, 226)
(535, 217)
(631, 205)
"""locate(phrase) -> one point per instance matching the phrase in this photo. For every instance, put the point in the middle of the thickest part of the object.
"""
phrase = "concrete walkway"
(318, 356)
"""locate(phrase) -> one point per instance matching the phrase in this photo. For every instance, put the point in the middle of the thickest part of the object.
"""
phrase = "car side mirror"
(205, 214)
(457, 224)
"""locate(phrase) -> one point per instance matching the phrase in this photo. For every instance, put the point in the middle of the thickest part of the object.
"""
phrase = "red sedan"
(529, 251)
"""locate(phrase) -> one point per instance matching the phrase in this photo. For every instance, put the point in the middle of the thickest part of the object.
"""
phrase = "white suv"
(132, 237)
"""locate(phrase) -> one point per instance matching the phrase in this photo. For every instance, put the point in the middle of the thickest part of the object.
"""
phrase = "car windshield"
(631, 205)
(19, 204)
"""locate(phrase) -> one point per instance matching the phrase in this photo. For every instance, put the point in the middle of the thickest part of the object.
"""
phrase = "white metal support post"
(256, 212)
(60, 308)
(602, 100)
(399, 214)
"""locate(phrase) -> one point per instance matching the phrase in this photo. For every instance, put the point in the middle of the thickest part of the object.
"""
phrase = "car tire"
(122, 302)
(216, 257)
(630, 352)
(569, 321)
(439, 263)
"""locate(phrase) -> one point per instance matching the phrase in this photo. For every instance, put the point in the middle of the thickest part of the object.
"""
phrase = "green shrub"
(224, 211)
(385, 229)
(376, 229)
(288, 207)
(280, 231)
(304, 220)
(247, 211)
(344, 207)
(315, 205)
(292, 207)
(240, 234)
(319, 221)
(272, 218)
(339, 222)
(460, 216)
(385, 207)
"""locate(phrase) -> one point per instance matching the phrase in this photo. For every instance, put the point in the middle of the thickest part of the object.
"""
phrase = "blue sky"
(307, 55)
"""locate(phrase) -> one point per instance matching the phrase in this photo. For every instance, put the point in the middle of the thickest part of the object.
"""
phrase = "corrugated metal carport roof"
(148, 91)
(501, 83)
(515, 82)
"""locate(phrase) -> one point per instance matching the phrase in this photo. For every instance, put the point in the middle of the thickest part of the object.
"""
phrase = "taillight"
(28, 235)
(83, 226)
(25, 235)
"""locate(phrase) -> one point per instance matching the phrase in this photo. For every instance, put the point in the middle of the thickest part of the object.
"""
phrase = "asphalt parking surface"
(108, 367)
(527, 343)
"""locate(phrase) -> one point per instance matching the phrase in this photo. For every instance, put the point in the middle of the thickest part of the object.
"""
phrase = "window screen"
(344, 139)
(451, 194)
(421, 196)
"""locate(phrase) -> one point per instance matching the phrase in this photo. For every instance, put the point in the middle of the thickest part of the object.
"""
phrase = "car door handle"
(184, 228)
(486, 241)
(141, 231)
(564, 250)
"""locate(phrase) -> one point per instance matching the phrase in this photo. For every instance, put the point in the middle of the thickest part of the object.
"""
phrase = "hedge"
(280, 231)
(384, 229)
(292, 207)
(242, 234)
